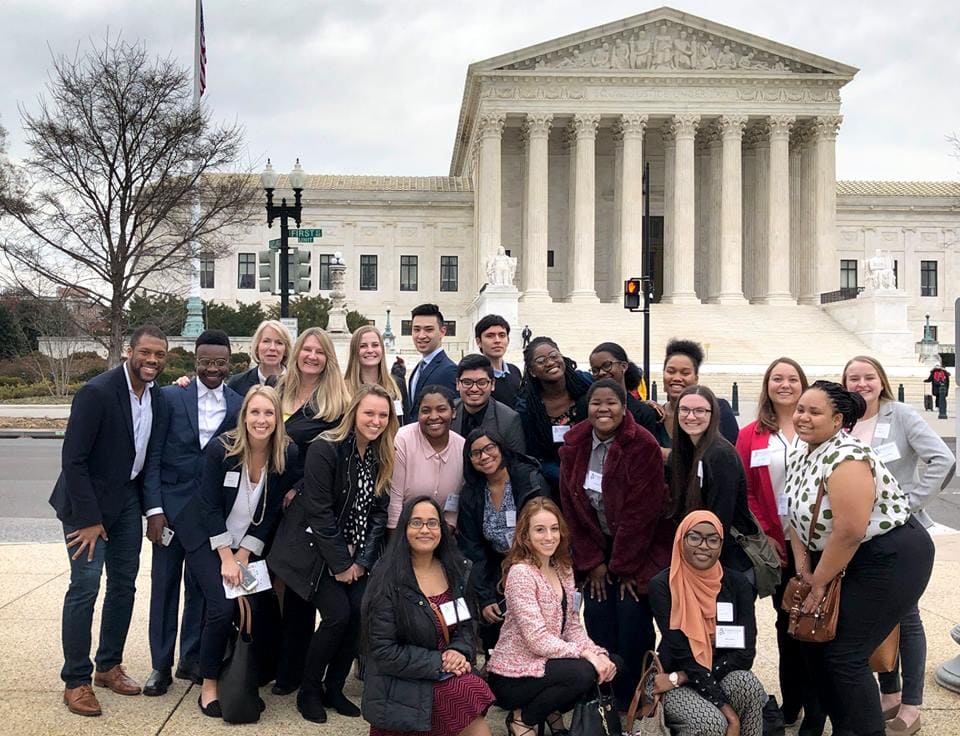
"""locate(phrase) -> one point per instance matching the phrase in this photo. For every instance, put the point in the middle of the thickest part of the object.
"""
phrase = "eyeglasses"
(548, 358)
(487, 450)
(698, 411)
(207, 363)
(480, 383)
(696, 539)
(605, 367)
(431, 524)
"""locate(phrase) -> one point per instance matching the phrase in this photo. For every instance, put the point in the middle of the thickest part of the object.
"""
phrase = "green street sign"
(275, 244)
(306, 235)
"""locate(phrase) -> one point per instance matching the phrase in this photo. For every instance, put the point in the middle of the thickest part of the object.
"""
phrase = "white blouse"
(246, 507)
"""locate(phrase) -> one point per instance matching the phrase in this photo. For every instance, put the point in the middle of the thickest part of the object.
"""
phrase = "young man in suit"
(428, 329)
(492, 334)
(98, 499)
(478, 406)
(188, 419)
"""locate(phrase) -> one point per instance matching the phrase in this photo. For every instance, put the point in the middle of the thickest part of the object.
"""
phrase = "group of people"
(538, 522)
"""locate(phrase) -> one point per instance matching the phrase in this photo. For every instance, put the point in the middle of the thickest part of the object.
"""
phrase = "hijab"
(693, 593)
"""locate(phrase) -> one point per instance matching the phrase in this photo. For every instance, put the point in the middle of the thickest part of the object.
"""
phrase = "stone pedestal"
(879, 319)
(502, 300)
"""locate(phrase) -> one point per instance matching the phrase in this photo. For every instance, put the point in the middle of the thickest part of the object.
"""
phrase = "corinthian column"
(731, 210)
(778, 260)
(536, 134)
(627, 258)
(489, 130)
(683, 129)
(584, 209)
(827, 275)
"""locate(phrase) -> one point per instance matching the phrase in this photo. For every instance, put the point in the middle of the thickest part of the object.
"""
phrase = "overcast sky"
(374, 86)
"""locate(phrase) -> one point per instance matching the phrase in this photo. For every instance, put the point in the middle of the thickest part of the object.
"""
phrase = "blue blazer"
(98, 452)
(175, 461)
(204, 520)
(441, 371)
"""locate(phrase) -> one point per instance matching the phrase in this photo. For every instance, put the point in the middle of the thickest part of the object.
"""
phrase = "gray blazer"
(501, 419)
(925, 465)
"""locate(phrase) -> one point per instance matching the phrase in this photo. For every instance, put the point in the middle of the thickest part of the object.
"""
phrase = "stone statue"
(501, 269)
(727, 59)
(880, 275)
(663, 49)
(601, 57)
(705, 58)
(621, 55)
(640, 51)
(683, 52)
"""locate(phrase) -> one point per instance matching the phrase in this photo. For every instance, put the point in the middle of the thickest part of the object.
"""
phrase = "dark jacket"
(506, 388)
(309, 542)
(526, 482)
(634, 503)
(441, 371)
(98, 452)
(729, 427)
(402, 656)
(243, 382)
(675, 653)
(501, 419)
(204, 520)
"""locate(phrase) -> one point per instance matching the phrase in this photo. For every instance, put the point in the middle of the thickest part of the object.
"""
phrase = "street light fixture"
(296, 178)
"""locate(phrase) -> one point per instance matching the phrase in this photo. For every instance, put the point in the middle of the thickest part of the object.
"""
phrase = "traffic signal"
(632, 294)
(298, 271)
(267, 278)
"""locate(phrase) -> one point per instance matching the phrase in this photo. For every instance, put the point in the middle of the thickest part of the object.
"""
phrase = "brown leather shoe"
(117, 680)
(82, 701)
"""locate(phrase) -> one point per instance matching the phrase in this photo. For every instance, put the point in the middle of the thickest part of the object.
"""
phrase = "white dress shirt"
(421, 366)
(211, 410)
(141, 407)
(246, 508)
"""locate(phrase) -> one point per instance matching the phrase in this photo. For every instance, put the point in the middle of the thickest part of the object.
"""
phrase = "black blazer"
(243, 382)
(441, 371)
(98, 452)
(497, 417)
(205, 517)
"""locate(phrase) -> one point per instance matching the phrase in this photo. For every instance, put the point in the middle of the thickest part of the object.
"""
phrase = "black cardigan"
(674, 649)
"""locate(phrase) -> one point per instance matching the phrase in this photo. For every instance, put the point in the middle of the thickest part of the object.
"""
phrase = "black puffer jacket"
(402, 656)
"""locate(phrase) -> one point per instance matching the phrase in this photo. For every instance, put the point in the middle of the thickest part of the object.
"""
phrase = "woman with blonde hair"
(367, 364)
(270, 349)
(333, 535)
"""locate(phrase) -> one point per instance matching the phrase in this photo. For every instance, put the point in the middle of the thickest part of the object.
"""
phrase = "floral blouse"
(805, 470)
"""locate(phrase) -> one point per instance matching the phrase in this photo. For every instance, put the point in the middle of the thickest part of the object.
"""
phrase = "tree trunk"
(115, 348)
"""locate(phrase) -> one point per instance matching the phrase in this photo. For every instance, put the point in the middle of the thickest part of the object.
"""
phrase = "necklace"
(263, 498)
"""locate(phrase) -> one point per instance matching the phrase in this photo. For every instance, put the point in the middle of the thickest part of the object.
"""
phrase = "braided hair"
(849, 404)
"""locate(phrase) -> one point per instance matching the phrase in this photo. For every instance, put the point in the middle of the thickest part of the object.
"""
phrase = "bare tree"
(8, 201)
(126, 181)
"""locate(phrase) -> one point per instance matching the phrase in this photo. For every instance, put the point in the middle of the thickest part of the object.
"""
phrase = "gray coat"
(499, 418)
(925, 464)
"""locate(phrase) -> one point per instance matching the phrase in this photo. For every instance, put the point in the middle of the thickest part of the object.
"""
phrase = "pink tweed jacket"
(531, 632)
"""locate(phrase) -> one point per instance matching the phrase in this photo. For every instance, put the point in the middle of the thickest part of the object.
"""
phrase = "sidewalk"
(33, 579)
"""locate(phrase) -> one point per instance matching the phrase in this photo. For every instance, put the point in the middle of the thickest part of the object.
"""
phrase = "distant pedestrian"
(526, 334)
(938, 377)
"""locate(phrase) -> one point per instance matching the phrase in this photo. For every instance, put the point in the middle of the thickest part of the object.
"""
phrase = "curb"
(36, 434)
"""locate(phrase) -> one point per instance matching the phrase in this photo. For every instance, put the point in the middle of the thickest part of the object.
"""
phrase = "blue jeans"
(120, 555)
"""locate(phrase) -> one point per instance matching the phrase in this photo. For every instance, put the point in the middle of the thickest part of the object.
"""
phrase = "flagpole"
(194, 324)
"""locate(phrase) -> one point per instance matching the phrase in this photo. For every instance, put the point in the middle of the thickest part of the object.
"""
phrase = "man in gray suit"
(477, 407)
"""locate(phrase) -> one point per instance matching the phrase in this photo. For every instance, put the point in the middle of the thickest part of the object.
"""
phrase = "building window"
(449, 270)
(408, 273)
(896, 274)
(325, 282)
(848, 274)
(928, 278)
(368, 273)
(406, 327)
(206, 273)
(247, 270)
(451, 326)
(549, 259)
(933, 333)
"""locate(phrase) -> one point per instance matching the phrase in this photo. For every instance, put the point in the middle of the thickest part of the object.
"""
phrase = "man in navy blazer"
(435, 368)
(98, 499)
(188, 419)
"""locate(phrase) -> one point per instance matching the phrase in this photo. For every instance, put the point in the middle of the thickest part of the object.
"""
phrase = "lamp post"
(268, 179)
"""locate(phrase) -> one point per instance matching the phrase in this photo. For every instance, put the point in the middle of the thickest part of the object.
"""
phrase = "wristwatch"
(674, 679)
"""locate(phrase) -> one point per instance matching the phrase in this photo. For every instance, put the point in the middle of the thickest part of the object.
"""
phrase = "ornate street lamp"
(268, 179)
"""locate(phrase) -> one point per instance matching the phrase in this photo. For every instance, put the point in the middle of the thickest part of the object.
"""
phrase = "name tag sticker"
(881, 431)
(456, 611)
(760, 458)
(398, 407)
(724, 612)
(730, 637)
(888, 452)
(511, 515)
(593, 481)
(231, 479)
(783, 507)
(452, 503)
(559, 430)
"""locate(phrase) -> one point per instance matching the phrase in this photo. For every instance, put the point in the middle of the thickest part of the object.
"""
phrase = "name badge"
(559, 430)
(700, 471)
(231, 479)
(783, 505)
(760, 458)
(881, 431)
(456, 611)
(731, 637)
(453, 503)
(888, 452)
(724, 612)
(398, 407)
(593, 481)
(511, 517)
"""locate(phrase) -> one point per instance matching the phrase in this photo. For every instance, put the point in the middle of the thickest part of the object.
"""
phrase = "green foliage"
(355, 320)
(13, 341)
(238, 322)
(314, 311)
(166, 311)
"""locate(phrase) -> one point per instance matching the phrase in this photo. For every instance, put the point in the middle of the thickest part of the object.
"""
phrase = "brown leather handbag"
(884, 657)
(821, 625)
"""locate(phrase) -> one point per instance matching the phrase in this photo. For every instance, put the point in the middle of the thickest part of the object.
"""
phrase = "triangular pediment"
(664, 41)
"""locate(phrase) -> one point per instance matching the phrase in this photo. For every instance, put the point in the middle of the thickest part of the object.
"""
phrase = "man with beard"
(98, 499)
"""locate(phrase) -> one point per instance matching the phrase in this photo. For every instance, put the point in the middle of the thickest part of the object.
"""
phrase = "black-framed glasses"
(698, 411)
(605, 367)
(480, 383)
(696, 539)
(431, 524)
(487, 450)
(209, 362)
(548, 358)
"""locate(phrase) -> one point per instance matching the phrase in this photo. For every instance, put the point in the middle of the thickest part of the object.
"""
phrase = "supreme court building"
(739, 133)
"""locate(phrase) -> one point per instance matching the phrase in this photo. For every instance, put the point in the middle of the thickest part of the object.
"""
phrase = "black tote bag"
(238, 692)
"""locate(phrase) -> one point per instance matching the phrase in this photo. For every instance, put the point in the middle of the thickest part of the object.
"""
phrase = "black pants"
(883, 582)
(298, 621)
(335, 643)
(564, 682)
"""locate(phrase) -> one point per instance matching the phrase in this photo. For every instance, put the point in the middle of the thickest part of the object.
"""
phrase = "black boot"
(310, 705)
(334, 698)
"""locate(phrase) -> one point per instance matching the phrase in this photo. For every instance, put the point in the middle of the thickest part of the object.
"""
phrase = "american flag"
(202, 50)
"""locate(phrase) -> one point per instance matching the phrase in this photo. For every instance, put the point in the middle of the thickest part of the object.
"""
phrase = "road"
(29, 468)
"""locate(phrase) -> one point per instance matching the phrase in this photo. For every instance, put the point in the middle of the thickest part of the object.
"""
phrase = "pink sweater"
(531, 632)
